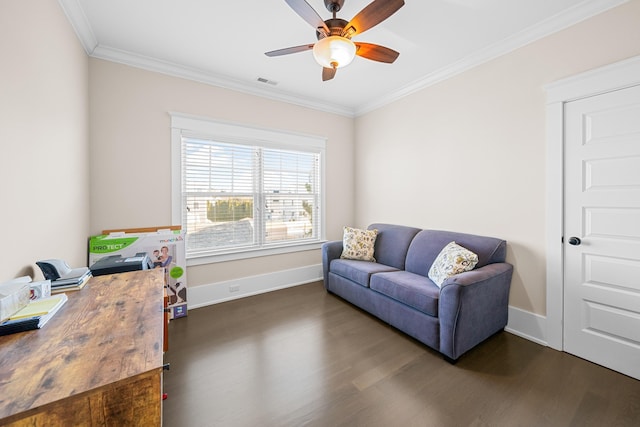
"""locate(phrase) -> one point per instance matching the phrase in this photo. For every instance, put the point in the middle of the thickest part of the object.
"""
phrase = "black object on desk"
(119, 264)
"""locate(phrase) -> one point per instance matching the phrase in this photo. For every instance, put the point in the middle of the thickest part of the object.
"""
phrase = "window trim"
(184, 125)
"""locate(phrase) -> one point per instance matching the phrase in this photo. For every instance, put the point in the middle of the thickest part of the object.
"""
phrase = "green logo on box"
(104, 245)
(176, 272)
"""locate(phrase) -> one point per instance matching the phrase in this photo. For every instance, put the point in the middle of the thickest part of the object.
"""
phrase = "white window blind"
(242, 194)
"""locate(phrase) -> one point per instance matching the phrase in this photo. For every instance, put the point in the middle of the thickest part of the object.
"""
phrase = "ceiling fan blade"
(328, 73)
(288, 50)
(373, 14)
(308, 13)
(376, 52)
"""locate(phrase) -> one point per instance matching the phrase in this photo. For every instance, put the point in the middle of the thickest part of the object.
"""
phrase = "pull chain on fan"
(334, 48)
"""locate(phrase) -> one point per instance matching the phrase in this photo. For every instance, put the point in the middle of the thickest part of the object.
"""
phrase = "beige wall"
(468, 154)
(131, 163)
(43, 138)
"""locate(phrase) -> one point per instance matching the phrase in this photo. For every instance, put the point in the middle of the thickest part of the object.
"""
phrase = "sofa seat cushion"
(358, 271)
(414, 290)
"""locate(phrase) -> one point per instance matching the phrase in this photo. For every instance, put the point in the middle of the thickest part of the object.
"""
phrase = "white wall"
(130, 155)
(468, 154)
(44, 189)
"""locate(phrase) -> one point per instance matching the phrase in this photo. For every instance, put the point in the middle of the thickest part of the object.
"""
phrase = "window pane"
(218, 194)
(289, 184)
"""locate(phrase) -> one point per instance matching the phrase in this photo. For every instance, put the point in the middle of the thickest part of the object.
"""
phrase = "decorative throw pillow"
(358, 244)
(453, 259)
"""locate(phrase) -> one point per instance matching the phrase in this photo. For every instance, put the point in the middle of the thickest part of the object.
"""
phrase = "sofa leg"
(450, 360)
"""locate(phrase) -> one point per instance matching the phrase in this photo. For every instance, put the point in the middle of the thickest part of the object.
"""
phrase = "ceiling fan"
(334, 48)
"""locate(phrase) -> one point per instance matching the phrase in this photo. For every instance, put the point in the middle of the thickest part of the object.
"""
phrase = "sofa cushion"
(358, 244)
(392, 243)
(358, 271)
(411, 289)
(427, 244)
(453, 259)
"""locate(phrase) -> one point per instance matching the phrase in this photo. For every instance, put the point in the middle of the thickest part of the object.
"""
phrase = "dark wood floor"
(300, 356)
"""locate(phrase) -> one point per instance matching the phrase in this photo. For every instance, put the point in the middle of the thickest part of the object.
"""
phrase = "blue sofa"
(468, 307)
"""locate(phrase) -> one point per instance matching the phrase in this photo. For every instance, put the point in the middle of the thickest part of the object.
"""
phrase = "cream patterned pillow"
(358, 244)
(453, 259)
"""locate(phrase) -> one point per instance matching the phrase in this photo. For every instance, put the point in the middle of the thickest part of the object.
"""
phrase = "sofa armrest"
(473, 306)
(478, 275)
(330, 251)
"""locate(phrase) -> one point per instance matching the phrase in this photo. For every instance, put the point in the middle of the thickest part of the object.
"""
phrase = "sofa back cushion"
(427, 244)
(392, 243)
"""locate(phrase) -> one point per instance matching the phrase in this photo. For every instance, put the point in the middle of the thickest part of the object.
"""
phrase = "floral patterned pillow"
(453, 259)
(358, 244)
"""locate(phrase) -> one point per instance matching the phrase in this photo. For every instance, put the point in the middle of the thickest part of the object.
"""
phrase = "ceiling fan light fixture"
(334, 52)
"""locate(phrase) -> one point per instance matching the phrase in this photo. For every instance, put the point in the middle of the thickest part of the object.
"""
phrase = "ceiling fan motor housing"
(336, 25)
(333, 5)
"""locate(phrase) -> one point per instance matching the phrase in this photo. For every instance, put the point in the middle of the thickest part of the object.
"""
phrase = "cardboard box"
(164, 247)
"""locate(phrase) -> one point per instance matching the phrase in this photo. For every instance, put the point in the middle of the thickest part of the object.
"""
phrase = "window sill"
(252, 253)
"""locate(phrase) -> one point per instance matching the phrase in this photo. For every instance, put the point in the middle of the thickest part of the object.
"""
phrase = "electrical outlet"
(234, 288)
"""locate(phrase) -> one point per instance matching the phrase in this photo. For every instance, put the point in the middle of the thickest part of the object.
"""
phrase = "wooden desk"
(98, 361)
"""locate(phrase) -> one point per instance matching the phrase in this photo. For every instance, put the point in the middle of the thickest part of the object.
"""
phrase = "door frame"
(619, 75)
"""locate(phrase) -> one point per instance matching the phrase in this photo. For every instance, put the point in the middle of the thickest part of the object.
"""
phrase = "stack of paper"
(34, 316)
(71, 284)
(64, 278)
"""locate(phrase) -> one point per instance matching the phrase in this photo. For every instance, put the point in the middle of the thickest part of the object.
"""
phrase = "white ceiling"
(223, 42)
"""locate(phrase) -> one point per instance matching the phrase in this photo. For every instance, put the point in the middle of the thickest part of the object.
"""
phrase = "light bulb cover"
(334, 51)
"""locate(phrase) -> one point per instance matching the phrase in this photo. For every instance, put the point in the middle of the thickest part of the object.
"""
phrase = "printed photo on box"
(124, 251)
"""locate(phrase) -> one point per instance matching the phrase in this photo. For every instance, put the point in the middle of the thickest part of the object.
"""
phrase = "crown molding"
(565, 19)
(201, 76)
(561, 21)
(80, 24)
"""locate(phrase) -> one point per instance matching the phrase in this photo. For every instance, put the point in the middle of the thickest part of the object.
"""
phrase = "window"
(240, 191)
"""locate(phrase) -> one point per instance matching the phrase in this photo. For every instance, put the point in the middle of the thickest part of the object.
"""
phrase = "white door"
(602, 230)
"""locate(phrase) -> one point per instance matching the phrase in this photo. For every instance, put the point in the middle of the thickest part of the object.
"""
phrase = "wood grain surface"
(303, 357)
(98, 358)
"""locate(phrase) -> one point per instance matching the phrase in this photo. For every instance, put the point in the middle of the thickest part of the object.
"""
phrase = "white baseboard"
(523, 323)
(527, 325)
(214, 293)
